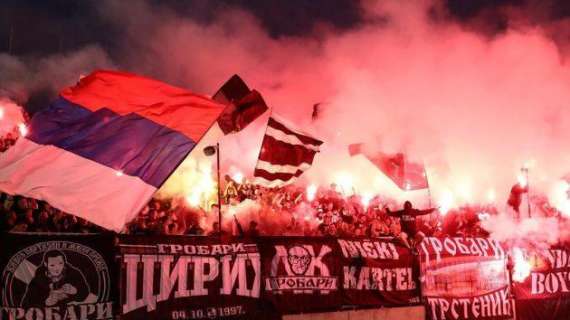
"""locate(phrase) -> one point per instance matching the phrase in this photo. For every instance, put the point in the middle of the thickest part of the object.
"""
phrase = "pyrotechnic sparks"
(194, 181)
(238, 177)
(446, 202)
(464, 191)
(311, 192)
(559, 196)
(193, 199)
(23, 129)
(521, 267)
(522, 177)
(483, 216)
(12, 116)
(345, 182)
(365, 199)
(203, 189)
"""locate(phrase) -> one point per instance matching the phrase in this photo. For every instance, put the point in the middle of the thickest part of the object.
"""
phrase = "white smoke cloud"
(505, 229)
(24, 76)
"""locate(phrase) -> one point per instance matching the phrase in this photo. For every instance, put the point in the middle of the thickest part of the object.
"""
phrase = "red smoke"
(473, 108)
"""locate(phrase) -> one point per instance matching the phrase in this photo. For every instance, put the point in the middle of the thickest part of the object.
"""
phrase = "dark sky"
(41, 27)
(32, 29)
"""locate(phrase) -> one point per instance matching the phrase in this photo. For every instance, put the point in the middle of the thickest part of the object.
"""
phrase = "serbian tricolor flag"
(407, 175)
(106, 145)
(285, 154)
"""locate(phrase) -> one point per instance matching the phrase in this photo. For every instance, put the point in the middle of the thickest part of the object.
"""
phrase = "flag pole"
(433, 216)
(261, 146)
(525, 169)
(428, 185)
(219, 188)
(187, 154)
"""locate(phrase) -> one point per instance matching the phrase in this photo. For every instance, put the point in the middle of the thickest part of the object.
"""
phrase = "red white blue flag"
(106, 145)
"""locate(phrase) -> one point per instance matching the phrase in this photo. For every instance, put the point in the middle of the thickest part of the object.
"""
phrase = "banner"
(171, 277)
(465, 278)
(378, 272)
(545, 292)
(202, 278)
(302, 274)
(57, 277)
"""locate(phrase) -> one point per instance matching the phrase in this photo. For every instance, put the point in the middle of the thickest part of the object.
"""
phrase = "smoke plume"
(474, 105)
(473, 108)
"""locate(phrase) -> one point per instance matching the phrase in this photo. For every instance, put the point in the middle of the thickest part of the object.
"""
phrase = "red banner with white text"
(543, 291)
(465, 278)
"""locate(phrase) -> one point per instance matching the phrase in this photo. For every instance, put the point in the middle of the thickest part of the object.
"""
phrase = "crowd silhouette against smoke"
(251, 210)
(473, 101)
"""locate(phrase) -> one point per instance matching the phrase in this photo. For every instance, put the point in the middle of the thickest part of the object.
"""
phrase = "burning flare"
(23, 129)
(365, 199)
(345, 182)
(521, 268)
(311, 192)
(446, 202)
(521, 177)
(238, 177)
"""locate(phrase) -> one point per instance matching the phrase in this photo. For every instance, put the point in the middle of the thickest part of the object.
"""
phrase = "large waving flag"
(104, 146)
(407, 175)
(285, 154)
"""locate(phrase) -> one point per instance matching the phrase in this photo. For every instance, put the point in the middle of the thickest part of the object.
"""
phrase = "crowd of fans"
(20, 214)
(249, 210)
(283, 211)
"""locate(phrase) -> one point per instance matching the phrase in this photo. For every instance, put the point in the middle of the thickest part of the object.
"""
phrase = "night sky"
(41, 27)
(33, 29)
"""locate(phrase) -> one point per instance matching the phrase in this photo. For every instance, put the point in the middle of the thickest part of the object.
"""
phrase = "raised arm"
(424, 212)
(393, 213)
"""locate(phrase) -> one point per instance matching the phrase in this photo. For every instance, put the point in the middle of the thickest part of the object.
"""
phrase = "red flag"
(285, 155)
(405, 174)
(244, 105)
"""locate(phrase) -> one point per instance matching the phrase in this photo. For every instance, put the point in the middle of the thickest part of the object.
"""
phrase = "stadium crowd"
(284, 211)
(249, 210)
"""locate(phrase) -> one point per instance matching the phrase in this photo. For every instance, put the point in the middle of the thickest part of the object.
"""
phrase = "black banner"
(190, 278)
(301, 274)
(202, 278)
(319, 274)
(544, 293)
(465, 278)
(378, 272)
(58, 277)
